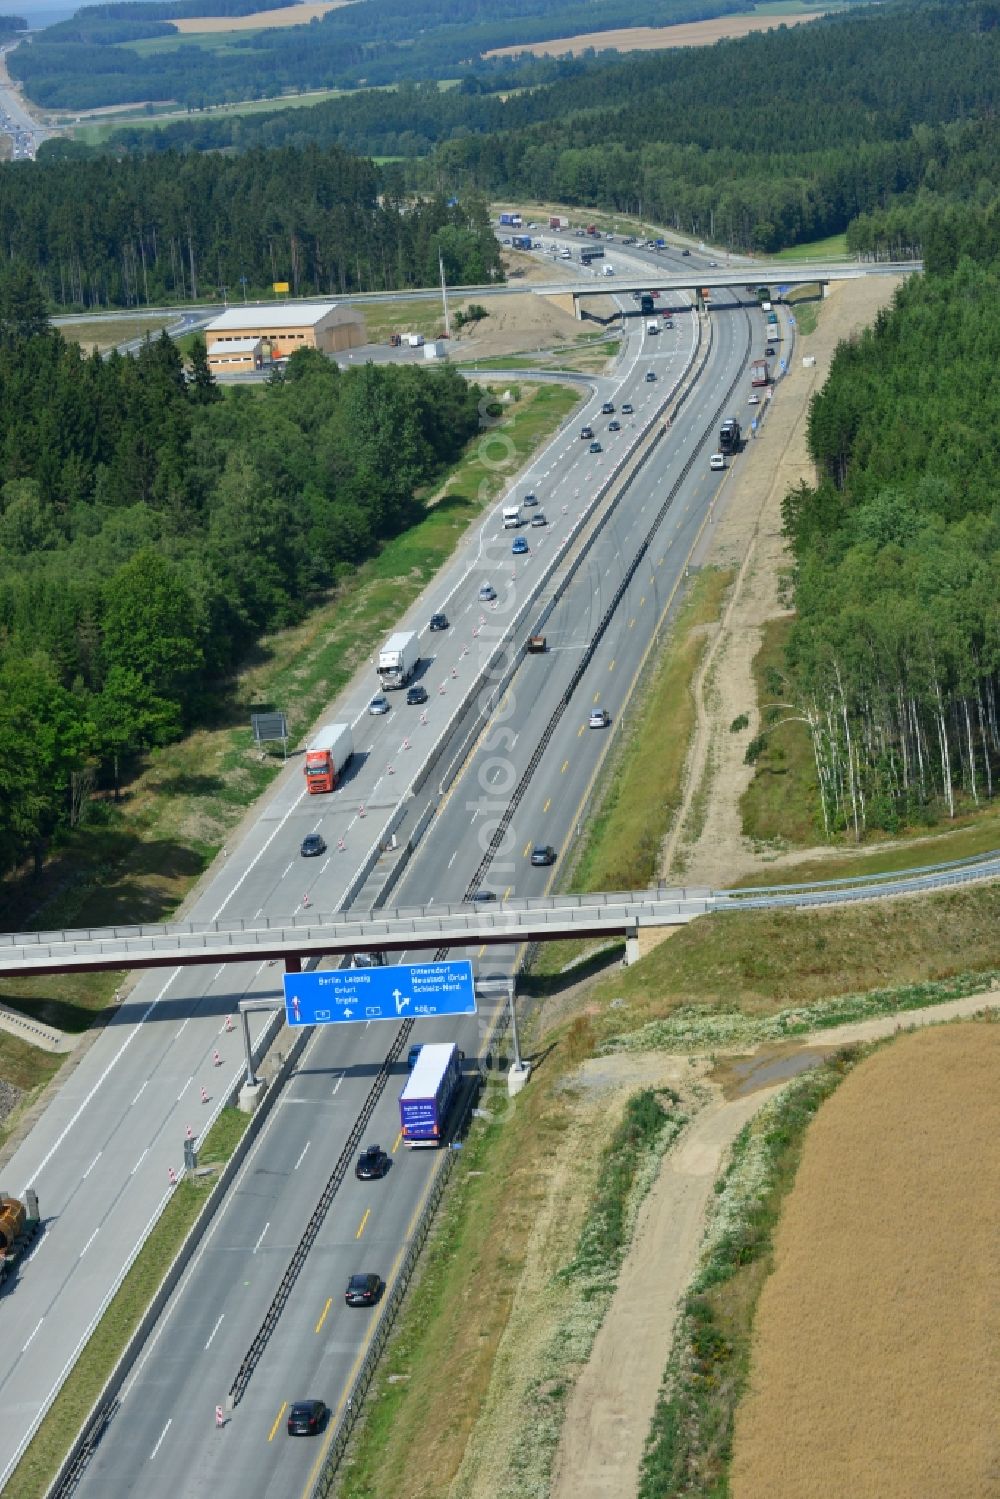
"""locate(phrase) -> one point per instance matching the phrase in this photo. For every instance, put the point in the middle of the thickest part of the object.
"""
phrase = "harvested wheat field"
(654, 38)
(291, 15)
(875, 1367)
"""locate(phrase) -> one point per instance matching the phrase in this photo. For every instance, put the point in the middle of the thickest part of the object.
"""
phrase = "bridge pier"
(632, 953)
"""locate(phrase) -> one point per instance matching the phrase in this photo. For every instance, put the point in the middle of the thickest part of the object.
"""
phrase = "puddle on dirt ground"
(738, 1076)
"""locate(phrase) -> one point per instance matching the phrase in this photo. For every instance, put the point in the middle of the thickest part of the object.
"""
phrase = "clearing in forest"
(290, 15)
(875, 1368)
(656, 38)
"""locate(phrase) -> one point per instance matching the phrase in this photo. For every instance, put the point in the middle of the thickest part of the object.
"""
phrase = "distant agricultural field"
(291, 15)
(657, 38)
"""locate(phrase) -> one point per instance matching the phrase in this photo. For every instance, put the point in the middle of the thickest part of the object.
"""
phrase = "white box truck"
(399, 658)
(415, 340)
(511, 517)
(652, 326)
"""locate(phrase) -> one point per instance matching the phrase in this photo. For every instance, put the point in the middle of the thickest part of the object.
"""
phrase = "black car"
(586, 432)
(530, 499)
(363, 1290)
(481, 895)
(627, 409)
(415, 695)
(306, 1418)
(614, 426)
(608, 409)
(543, 853)
(685, 252)
(769, 353)
(373, 1163)
(595, 447)
(650, 377)
(439, 622)
(313, 844)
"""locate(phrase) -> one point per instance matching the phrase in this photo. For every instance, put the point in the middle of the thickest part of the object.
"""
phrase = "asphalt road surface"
(163, 1437)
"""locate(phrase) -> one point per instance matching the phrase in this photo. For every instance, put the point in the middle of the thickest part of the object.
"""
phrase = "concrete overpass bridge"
(642, 917)
(632, 277)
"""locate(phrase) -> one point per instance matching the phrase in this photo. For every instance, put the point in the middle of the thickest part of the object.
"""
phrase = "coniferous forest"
(894, 657)
(145, 231)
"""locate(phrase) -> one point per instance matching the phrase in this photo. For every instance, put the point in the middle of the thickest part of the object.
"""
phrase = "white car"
(717, 461)
(754, 400)
(487, 593)
(600, 718)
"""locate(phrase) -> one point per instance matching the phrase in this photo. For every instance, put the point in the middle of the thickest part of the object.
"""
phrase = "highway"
(163, 1437)
(99, 1155)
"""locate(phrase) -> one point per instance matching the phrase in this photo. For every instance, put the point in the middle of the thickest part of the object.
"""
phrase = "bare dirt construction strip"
(292, 15)
(612, 1403)
(875, 1369)
(652, 38)
(710, 849)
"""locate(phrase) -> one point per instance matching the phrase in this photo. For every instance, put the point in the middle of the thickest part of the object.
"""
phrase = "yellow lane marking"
(612, 666)
(596, 696)
(397, 1142)
(642, 601)
(631, 623)
(319, 1324)
(547, 805)
(527, 850)
(277, 1421)
(482, 951)
(580, 730)
(507, 891)
(565, 764)
(363, 1222)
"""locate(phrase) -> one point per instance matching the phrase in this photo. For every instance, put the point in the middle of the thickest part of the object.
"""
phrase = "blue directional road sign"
(343, 996)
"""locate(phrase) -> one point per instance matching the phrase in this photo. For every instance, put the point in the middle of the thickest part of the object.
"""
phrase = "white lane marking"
(302, 1157)
(92, 1165)
(139, 1162)
(259, 912)
(337, 1084)
(160, 1439)
(90, 1241)
(183, 1029)
(263, 1231)
(212, 1333)
(219, 972)
(94, 1090)
(184, 1090)
(140, 1092)
(290, 867)
(324, 867)
(453, 858)
(37, 1326)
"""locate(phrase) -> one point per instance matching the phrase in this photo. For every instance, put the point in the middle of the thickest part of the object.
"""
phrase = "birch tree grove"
(894, 656)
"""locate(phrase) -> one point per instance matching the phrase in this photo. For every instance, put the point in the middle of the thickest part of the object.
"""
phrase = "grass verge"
(642, 778)
(39, 1465)
(758, 963)
(108, 333)
(832, 248)
(690, 1440)
(137, 861)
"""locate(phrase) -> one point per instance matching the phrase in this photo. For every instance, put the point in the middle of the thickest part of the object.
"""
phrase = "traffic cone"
(390, 770)
(216, 1059)
(189, 1133)
(361, 810)
(171, 1176)
(305, 900)
(204, 1095)
(454, 671)
(423, 716)
(406, 744)
(340, 845)
(229, 1024)
(441, 689)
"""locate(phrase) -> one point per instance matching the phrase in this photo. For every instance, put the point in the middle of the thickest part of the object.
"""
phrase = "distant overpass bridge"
(631, 278)
(629, 914)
